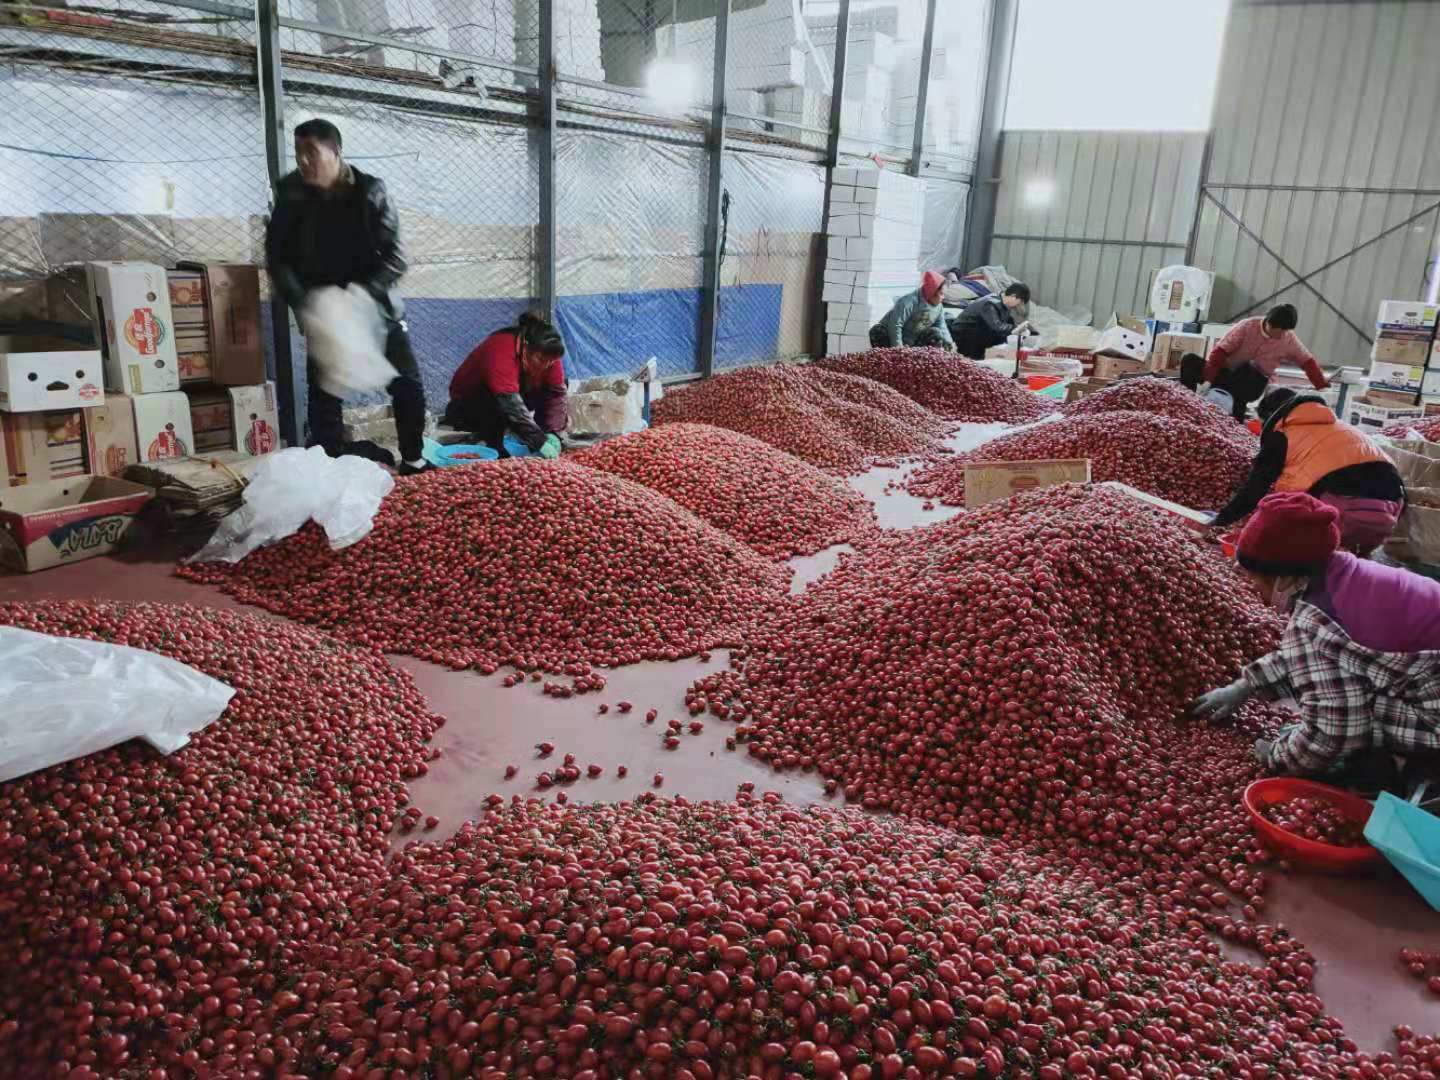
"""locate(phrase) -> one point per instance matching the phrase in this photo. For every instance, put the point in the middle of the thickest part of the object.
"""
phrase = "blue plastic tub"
(1410, 838)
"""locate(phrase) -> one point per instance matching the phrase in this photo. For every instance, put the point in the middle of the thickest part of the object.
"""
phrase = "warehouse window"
(1115, 65)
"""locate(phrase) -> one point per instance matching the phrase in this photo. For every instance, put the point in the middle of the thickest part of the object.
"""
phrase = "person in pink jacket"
(1244, 360)
(1360, 656)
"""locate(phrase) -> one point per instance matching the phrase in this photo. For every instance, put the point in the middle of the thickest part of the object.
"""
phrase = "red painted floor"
(1354, 926)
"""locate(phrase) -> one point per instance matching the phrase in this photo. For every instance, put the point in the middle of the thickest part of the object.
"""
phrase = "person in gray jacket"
(917, 319)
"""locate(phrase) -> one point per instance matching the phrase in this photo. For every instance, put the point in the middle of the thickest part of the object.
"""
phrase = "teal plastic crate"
(1410, 838)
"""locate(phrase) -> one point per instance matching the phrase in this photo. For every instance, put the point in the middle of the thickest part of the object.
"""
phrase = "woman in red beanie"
(917, 319)
(1360, 655)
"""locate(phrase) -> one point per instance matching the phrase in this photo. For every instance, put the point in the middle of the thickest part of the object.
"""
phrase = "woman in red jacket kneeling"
(513, 382)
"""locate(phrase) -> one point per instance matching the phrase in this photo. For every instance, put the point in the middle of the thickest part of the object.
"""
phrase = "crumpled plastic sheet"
(64, 698)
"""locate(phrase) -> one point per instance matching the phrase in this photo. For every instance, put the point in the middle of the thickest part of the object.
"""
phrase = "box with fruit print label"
(139, 328)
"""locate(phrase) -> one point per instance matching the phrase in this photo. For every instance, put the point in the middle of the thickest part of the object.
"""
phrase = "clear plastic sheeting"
(64, 698)
(291, 487)
(772, 223)
(119, 168)
(942, 230)
(631, 227)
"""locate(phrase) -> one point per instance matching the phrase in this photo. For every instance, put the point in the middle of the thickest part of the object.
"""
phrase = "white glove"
(1220, 706)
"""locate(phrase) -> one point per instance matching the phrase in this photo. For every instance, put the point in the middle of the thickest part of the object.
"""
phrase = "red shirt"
(494, 366)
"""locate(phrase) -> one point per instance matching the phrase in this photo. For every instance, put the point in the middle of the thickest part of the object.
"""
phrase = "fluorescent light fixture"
(1037, 193)
(672, 85)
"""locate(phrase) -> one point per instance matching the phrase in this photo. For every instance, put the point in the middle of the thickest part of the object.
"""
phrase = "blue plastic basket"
(1410, 838)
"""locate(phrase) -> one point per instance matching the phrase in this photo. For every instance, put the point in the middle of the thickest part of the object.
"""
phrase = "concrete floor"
(1355, 927)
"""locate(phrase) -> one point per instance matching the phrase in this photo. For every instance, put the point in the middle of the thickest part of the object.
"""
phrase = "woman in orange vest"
(1304, 447)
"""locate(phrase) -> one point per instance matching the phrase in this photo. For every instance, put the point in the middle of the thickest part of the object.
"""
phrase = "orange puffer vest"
(1317, 444)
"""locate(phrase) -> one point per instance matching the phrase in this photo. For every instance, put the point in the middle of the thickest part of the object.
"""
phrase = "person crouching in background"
(513, 382)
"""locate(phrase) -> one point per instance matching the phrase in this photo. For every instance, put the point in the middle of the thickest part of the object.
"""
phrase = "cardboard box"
(230, 307)
(1214, 331)
(110, 437)
(1124, 341)
(1076, 337)
(1170, 349)
(987, 481)
(1407, 314)
(1372, 410)
(37, 374)
(1401, 347)
(1083, 388)
(162, 426)
(210, 420)
(65, 521)
(43, 446)
(1114, 367)
(139, 341)
(1401, 377)
(1195, 519)
(192, 331)
(255, 417)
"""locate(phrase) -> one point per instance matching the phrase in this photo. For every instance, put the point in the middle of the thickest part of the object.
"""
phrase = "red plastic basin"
(1311, 854)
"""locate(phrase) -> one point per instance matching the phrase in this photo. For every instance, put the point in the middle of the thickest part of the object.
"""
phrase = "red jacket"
(494, 368)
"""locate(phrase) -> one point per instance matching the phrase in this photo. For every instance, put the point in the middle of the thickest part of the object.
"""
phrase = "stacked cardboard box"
(873, 251)
(1401, 357)
(577, 37)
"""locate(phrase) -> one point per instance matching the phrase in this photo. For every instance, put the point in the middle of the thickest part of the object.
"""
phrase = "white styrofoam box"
(875, 50)
(1407, 313)
(843, 225)
(840, 294)
(41, 374)
(1431, 385)
(840, 277)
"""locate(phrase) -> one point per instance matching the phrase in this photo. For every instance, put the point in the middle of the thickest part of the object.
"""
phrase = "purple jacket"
(1380, 607)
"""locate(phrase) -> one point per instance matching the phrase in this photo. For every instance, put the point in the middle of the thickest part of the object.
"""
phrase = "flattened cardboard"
(987, 481)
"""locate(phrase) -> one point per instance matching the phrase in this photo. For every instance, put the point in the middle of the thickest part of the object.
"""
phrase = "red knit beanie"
(1289, 533)
(932, 282)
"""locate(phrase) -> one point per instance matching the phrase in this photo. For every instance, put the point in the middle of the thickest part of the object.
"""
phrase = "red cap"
(932, 283)
(1289, 533)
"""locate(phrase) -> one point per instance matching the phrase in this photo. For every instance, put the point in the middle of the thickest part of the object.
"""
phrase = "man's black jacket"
(349, 236)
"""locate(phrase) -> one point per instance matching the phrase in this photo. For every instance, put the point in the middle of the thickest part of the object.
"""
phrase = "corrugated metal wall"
(1084, 217)
(1326, 139)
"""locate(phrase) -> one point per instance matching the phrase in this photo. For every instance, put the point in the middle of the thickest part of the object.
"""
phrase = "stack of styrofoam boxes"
(869, 80)
(874, 247)
(765, 46)
(577, 37)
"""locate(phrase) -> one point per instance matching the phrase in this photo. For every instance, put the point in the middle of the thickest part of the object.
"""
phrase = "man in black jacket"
(334, 225)
(988, 321)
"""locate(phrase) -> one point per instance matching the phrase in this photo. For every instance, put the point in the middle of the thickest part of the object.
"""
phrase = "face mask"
(1286, 591)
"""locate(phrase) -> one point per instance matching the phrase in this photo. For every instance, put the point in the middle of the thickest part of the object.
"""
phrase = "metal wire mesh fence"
(138, 144)
(770, 227)
(139, 132)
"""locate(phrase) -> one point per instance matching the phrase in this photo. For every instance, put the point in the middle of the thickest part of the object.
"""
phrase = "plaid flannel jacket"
(1351, 698)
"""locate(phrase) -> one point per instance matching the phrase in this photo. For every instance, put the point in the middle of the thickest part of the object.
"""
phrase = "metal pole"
(272, 103)
(980, 214)
(832, 159)
(546, 231)
(714, 242)
(1200, 189)
(922, 95)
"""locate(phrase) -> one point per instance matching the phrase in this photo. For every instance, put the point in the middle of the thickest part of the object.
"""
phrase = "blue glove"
(550, 448)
